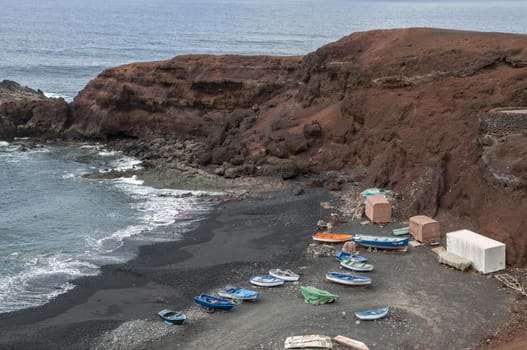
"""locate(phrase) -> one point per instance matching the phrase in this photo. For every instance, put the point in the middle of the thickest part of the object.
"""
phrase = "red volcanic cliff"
(405, 109)
(179, 96)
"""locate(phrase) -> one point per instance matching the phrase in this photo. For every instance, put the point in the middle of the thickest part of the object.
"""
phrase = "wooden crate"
(425, 229)
(378, 210)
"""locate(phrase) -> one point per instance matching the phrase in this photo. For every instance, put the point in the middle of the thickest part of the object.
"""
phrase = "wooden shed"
(425, 229)
(378, 209)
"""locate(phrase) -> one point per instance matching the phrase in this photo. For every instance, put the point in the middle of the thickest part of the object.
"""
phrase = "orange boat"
(331, 237)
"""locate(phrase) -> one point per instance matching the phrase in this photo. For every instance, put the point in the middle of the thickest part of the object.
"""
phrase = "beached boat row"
(227, 298)
(368, 241)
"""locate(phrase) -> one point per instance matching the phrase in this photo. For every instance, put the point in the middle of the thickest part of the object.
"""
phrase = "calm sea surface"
(56, 225)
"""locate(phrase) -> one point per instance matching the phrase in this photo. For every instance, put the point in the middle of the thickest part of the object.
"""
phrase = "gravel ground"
(433, 307)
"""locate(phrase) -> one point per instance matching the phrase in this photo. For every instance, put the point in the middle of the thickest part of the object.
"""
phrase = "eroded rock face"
(11, 91)
(503, 137)
(26, 112)
(187, 96)
(394, 108)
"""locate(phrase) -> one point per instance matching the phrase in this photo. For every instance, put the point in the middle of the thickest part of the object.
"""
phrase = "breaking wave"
(128, 213)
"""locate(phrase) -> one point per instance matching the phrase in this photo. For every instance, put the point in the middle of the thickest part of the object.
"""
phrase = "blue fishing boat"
(342, 255)
(391, 243)
(266, 281)
(212, 303)
(172, 317)
(236, 293)
(348, 279)
(374, 314)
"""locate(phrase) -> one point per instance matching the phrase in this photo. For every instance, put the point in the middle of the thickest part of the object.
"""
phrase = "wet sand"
(433, 307)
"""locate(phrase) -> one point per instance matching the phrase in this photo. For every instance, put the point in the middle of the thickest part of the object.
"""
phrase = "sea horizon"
(63, 44)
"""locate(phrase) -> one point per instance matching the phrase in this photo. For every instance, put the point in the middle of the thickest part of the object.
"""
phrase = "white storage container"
(486, 254)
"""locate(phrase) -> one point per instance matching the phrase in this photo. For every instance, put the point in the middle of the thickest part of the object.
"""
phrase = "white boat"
(266, 281)
(311, 341)
(286, 275)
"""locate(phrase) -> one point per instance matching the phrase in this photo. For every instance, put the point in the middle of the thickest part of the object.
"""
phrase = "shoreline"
(118, 308)
(95, 298)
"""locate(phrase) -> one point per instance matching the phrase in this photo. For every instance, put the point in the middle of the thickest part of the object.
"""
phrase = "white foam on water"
(133, 180)
(12, 154)
(157, 208)
(116, 239)
(38, 149)
(32, 286)
(162, 215)
(69, 176)
(54, 95)
(162, 207)
(91, 146)
(121, 164)
(4, 144)
(126, 163)
(106, 153)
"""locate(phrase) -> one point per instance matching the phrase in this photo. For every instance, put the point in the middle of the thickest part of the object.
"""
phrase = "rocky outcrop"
(11, 91)
(390, 108)
(397, 108)
(503, 138)
(26, 112)
(187, 96)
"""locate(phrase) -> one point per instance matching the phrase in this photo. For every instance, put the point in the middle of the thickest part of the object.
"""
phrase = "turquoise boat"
(389, 243)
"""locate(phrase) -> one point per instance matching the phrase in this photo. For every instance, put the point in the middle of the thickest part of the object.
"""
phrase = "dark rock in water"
(298, 190)
(47, 118)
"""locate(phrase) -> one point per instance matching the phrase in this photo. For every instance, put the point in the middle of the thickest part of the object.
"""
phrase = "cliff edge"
(409, 109)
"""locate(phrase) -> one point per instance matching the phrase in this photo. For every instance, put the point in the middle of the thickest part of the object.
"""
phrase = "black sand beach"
(433, 307)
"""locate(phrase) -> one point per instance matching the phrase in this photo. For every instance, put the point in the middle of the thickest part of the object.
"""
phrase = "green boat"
(356, 265)
(403, 231)
(317, 296)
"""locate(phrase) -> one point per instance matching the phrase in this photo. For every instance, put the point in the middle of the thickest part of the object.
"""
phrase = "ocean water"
(59, 45)
(56, 225)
